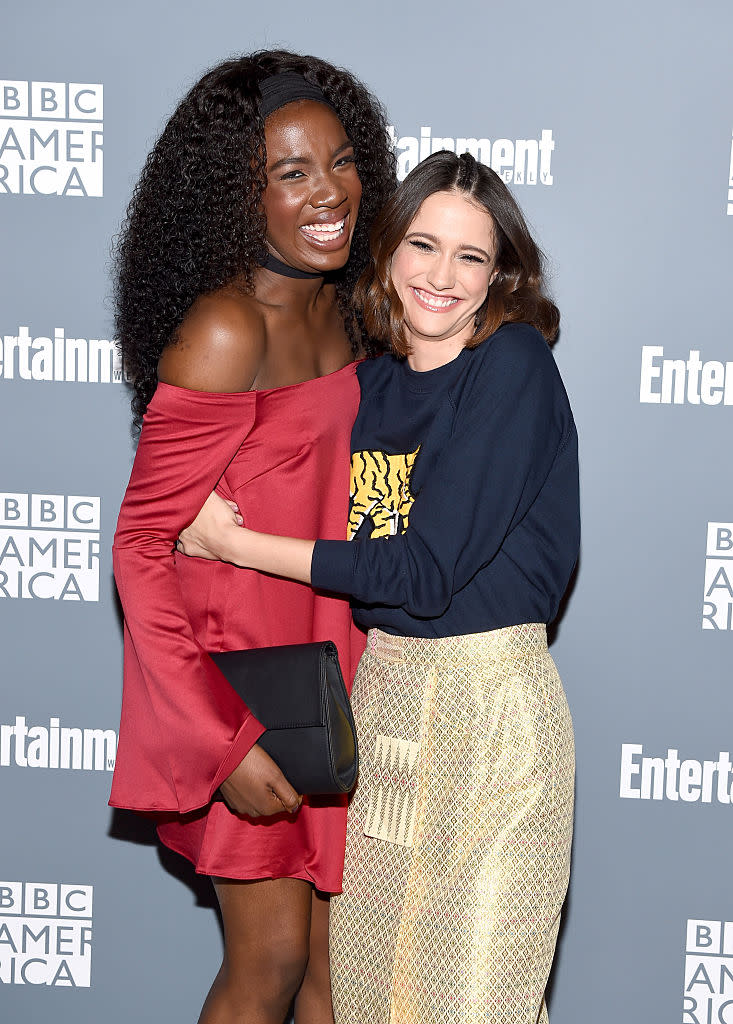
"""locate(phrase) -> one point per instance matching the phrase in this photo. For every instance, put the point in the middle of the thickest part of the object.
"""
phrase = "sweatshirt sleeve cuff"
(332, 565)
(245, 739)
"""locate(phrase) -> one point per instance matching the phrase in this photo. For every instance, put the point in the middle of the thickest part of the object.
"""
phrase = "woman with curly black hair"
(243, 241)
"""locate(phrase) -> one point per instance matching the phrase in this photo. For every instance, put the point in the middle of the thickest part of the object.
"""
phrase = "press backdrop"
(613, 124)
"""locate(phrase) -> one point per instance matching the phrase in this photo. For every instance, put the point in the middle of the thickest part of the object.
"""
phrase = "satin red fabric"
(283, 455)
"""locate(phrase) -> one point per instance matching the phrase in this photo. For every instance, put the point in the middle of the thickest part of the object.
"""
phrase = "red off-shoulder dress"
(283, 455)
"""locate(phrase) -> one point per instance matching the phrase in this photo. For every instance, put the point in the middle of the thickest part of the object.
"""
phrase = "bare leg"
(266, 933)
(313, 1002)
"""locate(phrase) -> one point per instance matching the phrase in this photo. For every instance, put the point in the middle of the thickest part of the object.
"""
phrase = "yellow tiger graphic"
(380, 491)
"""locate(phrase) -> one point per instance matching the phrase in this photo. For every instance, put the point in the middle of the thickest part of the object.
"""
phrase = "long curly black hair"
(195, 220)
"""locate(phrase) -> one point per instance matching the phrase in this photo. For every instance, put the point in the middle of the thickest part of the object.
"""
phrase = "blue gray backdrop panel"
(613, 124)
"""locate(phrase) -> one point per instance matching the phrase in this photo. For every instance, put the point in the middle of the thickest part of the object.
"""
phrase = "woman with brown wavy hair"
(463, 533)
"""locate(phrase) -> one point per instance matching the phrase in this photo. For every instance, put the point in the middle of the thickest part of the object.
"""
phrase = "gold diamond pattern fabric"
(458, 845)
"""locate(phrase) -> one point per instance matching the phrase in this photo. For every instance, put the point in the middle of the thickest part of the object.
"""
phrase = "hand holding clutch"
(258, 788)
(298, 694)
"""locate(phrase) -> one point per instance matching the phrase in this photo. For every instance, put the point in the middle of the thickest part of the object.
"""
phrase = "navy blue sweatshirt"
(464, 506)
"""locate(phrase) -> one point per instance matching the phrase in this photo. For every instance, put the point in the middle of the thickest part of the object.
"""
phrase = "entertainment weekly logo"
(717, 608)
(58, 358)
(708, 996)
(668, 778)
(516, 161)
(51, 138)
(46, 934)
(49, 546)
(686, 381)
(57, 746)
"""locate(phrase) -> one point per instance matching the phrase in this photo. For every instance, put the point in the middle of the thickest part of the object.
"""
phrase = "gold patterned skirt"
(458, 843)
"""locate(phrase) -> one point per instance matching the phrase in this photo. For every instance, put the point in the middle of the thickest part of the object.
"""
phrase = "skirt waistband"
(529, 638)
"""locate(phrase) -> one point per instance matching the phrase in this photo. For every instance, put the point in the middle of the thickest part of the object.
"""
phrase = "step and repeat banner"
(613, 124)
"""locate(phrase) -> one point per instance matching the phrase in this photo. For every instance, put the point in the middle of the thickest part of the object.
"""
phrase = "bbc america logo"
(717, 608)
(708, 996)
(46, 934)
(58, 358)
(516, 161)
(49, 546)
(51, 138)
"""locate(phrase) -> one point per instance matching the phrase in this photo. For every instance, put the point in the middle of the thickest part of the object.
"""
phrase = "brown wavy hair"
(517, 293)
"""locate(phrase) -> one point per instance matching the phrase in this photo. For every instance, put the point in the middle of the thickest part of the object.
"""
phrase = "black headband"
(288, 86)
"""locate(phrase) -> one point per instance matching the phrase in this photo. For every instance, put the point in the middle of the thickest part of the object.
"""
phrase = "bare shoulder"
(219, 346)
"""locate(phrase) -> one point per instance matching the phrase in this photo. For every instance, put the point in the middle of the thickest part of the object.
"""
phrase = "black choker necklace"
(278, 267)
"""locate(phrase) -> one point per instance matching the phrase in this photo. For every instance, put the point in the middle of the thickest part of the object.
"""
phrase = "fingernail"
(240, 521)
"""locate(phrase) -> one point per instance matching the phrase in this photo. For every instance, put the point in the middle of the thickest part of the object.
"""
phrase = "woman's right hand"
(258, 788)
(205, 536)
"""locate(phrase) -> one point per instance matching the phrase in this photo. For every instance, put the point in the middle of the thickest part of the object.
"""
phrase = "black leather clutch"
(298, 694)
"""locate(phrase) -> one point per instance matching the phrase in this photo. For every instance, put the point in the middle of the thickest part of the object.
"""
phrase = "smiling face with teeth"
(441, 271)
(313, 190)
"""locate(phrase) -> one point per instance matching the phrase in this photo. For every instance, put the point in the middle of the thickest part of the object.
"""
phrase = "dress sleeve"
(183, 728)
(507, 431)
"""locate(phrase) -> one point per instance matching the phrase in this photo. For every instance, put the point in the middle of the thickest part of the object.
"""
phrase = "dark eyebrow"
(286, 160)
(434, 240)
(346, 145)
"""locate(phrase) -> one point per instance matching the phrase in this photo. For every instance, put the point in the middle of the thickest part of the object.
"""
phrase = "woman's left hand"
(209, 533)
